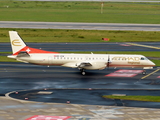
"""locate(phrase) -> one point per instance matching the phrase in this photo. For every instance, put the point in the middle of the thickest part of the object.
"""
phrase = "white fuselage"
(96, 61)
(24, 53)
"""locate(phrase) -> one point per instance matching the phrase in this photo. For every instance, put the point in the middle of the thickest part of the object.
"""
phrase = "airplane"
(26, 54)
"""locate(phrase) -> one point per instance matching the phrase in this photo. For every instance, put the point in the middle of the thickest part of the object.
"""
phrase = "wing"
(86, 65)
(77, 64)
(93, 65)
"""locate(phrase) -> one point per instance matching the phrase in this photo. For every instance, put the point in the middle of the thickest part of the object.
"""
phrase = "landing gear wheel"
(83, 72)
(144, 72)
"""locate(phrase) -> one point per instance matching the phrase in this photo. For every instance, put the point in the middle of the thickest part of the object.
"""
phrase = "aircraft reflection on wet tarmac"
(68, 84)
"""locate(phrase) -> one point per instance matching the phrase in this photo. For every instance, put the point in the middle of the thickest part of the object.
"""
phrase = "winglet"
(16, 42)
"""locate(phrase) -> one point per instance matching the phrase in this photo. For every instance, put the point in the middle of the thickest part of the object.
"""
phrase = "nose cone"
(152, 63)
(149, 65)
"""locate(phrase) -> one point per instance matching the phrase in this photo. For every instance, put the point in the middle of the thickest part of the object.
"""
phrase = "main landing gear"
(82, 71)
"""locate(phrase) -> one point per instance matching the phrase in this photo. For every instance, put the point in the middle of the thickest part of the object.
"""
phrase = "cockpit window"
(142, 58)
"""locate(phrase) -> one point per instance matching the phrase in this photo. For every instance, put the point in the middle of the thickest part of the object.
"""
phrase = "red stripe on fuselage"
(33, 50)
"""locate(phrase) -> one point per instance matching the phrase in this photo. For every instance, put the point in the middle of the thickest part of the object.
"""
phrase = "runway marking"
(147, 46)
(158, 77)
(124, 45)
(43, 117)
(121, 75)
(150, 74)
(124, 73)
(129, 71)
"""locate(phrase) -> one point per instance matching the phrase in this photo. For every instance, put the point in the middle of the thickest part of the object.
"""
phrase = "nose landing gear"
(144, 72)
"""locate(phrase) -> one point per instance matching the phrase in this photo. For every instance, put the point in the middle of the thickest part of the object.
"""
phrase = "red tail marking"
(33, 50)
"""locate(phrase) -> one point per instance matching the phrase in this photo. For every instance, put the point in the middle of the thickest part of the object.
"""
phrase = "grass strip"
(54, 35)
(113, 12)
(6, 59)
(136, 98)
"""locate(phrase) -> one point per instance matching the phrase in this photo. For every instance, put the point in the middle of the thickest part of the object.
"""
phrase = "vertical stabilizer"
(16, 42)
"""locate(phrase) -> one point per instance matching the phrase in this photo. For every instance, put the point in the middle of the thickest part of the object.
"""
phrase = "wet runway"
(86, 97)
(59, 47)
(68, 84)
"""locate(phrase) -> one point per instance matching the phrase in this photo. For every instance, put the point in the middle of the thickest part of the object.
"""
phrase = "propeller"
(108, 62)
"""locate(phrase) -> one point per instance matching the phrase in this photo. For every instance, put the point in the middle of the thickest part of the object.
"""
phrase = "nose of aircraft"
(152, 63)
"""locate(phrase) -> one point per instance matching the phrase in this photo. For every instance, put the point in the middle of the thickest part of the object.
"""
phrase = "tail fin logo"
(16, 42)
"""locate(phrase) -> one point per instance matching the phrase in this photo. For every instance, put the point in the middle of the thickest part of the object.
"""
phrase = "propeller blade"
(108, 61)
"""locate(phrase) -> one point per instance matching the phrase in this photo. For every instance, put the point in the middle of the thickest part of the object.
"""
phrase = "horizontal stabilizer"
(23, 54)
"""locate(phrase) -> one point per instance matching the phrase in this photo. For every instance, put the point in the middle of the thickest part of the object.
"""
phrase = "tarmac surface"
(27, 90)
(83, 26)
(40, 90)
(92, 47)
(21, 110)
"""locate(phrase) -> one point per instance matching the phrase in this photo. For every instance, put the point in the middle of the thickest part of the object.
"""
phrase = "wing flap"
(84, 64)
(77, 64)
